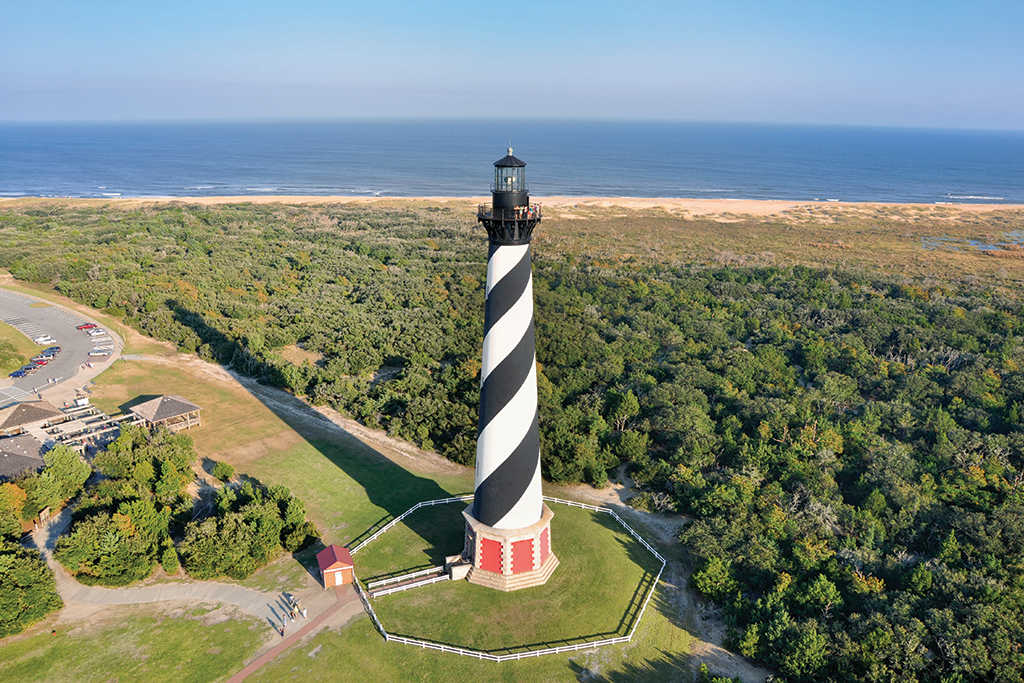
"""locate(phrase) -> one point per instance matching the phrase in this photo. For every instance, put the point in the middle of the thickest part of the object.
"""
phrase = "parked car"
(98, 332)
(39, 363)
(99, 352)
(86, 326)
(28, 369)
(52, 351)
(45, 339)
(17, 373)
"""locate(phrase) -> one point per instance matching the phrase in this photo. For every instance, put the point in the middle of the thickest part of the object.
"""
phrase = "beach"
(682, 206)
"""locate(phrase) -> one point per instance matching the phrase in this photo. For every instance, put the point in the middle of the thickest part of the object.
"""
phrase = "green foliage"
(28, 591)
(64, 473)
(715, 579)
(252, 523)
(223, 471)
(123, 524)
(850, 444)
(157, 462)
(169, 559)
(106, 549)
(704, 676)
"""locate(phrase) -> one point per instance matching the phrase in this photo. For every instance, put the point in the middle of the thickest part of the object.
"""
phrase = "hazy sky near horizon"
(872, 62)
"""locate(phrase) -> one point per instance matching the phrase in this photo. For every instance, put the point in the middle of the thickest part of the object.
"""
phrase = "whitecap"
(971, 196)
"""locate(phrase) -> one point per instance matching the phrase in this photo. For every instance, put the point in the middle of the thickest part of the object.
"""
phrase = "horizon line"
(484, 119)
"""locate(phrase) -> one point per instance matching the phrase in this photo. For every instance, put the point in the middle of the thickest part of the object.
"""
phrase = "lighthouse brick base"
(509, 559)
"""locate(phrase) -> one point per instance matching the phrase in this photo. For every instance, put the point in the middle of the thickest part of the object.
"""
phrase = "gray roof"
(27, 413)
(19, 453)
(164, 408)
(509, 160)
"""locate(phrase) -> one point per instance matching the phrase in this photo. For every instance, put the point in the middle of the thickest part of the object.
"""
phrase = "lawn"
(349, 488)
(357, 653)
(595, 592)
(15, 349)
(232, 418)
(146, 642)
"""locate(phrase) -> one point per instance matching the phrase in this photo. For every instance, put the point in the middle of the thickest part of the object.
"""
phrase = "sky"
(853, 62)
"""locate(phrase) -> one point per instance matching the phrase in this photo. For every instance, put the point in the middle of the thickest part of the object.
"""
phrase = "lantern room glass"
(509, 179)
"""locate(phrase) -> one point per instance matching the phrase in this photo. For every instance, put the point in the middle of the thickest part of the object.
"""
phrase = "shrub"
(169, 559)
(223, 471)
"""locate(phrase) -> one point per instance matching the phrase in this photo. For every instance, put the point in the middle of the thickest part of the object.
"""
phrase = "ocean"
(454, 157)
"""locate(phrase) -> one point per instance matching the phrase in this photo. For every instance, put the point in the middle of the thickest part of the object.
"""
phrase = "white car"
(97, 353)
(45, 339)
(98, 332)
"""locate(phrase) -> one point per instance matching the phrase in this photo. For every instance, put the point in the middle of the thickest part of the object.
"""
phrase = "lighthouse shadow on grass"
(387, 486)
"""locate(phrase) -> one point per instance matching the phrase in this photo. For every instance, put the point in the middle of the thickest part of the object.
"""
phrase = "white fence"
(417, 584)
(368, 607)
(414, 508)
(405, 577)
(485, 655)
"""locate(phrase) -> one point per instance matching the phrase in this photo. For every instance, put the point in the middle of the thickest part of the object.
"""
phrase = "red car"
(40, 362)
(86, 326)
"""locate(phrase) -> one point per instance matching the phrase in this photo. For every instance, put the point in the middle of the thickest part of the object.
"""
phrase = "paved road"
(34, 317)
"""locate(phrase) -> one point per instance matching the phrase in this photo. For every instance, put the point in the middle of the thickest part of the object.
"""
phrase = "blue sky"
(869, 62)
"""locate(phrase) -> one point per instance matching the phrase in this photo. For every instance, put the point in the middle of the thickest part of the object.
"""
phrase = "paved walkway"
(271, 607)
(345, 598)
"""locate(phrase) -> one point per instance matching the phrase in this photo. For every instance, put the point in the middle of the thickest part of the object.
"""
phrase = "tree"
(805, 651)
(28, 591)
(622, 407)
(715, 579)
(169, 558)
(172, 481)
(64, 473)
(12, 498)
(106, 549)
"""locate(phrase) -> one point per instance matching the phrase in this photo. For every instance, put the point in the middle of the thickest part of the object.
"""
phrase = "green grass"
(658, 653)
(348, 488)
(15, 349)
(150, 643)
(231, 416)
(595, 592)
(421, 540)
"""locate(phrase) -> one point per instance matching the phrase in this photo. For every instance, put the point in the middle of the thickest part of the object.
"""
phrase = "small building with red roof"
(336, 566)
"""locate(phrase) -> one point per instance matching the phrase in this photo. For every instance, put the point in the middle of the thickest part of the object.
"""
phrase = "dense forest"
(848, 444)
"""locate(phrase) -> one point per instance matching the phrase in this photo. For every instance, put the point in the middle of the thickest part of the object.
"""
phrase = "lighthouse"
(508, 526)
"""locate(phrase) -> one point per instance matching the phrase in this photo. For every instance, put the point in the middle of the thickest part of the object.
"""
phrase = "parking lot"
(35, 318)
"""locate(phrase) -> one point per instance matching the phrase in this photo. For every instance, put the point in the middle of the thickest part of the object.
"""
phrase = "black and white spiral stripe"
(508, 482)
